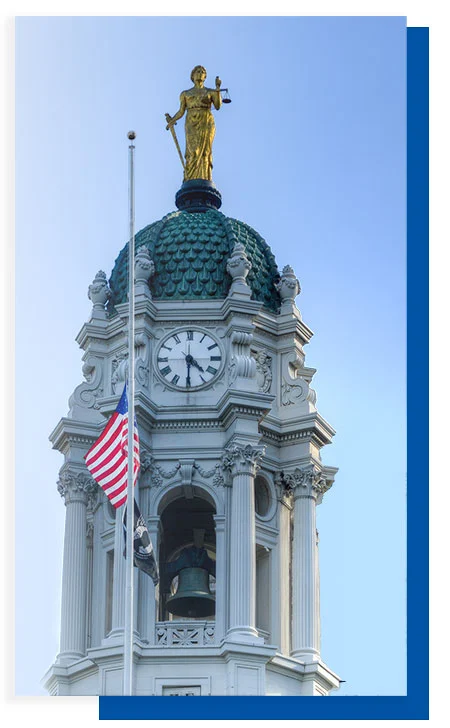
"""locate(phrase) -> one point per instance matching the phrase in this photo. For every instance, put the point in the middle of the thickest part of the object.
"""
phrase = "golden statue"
(199, 126)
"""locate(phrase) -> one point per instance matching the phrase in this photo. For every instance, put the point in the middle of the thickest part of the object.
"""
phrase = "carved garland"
(215, 473)
(158, 476)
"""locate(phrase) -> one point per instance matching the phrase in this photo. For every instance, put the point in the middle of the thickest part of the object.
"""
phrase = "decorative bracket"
(242, 363)
(187, 471)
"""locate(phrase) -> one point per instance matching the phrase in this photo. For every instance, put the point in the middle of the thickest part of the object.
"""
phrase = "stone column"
(75, 488)
(243, 461)
(308, 487)
(118, 606)
(281, 595)
(220, 578)
(89, 575)
(148, 593)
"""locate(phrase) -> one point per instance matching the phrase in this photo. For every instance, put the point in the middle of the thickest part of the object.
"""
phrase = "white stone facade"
(255, 423)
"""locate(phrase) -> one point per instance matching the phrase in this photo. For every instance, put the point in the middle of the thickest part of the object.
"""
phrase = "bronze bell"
(193, 567)
(193, 597)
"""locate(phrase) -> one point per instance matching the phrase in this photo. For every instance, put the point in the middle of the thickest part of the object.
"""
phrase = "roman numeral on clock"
(216, 358)
(211, 370)
(165, 371)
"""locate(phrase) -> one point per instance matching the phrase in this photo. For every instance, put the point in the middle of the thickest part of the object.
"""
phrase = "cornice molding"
(310, 426)
(74, 432)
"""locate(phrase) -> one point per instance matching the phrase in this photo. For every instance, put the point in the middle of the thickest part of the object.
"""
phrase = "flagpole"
(129, 599)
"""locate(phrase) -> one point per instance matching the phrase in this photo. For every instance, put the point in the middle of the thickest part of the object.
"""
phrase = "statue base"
(198, 195)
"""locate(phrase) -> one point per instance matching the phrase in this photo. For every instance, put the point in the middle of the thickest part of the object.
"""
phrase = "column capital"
(220, 521)
(307, 482)
(77, 487)
(153, 522)
(239, 458)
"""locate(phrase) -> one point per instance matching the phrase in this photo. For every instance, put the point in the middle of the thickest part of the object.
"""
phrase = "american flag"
(107, 460)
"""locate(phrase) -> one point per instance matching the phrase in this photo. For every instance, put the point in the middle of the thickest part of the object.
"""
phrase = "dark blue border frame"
(415, 704)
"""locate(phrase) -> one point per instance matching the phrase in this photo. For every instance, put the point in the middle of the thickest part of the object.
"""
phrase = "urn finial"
(288, 287)
(99, 293)
(144, 269)
(238, 267)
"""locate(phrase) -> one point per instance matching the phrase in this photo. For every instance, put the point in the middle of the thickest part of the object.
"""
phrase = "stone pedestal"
(198, 195)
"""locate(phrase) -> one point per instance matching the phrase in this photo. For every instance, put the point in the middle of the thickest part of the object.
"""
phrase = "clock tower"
(231, 470)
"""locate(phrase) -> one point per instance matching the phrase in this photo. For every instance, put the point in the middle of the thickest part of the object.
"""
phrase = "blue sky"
(311, 153)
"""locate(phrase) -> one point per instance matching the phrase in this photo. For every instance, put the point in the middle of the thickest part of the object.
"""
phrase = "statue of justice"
(199, 125)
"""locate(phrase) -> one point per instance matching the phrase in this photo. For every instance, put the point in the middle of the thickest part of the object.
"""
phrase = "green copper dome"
(190, 251)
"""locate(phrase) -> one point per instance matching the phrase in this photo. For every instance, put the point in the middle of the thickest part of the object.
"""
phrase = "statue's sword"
(174, 135)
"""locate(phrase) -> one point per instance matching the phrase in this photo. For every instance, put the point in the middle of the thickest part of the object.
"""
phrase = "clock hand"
(192, 362)
(197, 365)
(188, 377)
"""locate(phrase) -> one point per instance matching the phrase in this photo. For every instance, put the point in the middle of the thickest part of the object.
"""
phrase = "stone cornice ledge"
(235, 403)
(247, 649)
(329, 472)
(234, 305)
(320, 430)
(114, 651)
(318, 670)
(99, 329)
(68, 430)
(108, 653)
(62, 672)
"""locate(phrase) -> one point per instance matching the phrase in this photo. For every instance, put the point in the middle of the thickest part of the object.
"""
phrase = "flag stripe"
(108, 433)
(107, 460)
(108, 448)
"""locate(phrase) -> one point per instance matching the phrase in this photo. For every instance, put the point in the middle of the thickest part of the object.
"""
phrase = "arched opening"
(263, 497)
(187, 557)
(263, 591)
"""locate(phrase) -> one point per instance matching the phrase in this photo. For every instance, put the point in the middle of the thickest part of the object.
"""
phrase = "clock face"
(189, 359)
